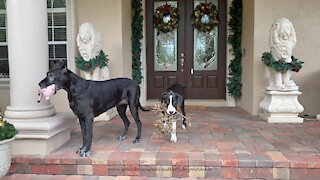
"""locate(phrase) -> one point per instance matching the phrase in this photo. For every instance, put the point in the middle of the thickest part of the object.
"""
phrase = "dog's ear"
(179, 99)
(60, 64)
(163, 97)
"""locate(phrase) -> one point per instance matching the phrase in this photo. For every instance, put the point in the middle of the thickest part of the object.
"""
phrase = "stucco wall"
(111, 19)
(247, 44)
(305, 18)
(4, 94)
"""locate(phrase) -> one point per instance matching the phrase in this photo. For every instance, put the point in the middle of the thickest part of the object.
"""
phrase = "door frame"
(228, 101)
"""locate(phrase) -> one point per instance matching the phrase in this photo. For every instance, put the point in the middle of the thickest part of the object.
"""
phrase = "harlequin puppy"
(89, 99)
(173, 98)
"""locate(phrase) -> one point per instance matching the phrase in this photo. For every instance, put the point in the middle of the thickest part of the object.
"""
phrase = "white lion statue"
(282, 40)
(89, 45)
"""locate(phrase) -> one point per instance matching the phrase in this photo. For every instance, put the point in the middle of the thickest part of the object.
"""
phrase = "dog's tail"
(190, 84)
(142, 108)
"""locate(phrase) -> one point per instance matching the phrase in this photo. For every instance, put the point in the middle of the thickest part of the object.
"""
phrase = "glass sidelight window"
(4, 65)
(57, 31)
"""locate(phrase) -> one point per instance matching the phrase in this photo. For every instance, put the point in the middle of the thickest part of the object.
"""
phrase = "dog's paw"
(121, 138)
(80, 150)
(184, 126)
(173, 138)
(137, 140)
(85, 154)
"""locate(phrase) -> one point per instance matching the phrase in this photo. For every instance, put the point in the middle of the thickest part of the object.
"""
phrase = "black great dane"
(89, 99)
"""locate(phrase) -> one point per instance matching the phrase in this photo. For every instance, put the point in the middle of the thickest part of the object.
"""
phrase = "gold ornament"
(2, 123)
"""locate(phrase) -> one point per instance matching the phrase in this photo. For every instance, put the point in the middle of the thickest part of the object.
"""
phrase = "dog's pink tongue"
(48, 91)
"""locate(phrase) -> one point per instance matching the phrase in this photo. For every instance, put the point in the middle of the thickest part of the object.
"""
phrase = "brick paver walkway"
(221, 143)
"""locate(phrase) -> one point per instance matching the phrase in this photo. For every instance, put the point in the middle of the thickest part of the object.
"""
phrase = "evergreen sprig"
(137, 35)
(234, 84)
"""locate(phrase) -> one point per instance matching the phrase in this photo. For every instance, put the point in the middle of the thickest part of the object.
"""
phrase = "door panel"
(171, 57)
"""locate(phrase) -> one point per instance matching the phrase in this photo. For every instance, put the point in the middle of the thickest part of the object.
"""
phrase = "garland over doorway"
(137, 35)
(235, 70)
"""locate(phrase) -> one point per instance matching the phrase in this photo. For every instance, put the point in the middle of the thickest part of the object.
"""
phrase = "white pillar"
(28, 63)
(28, 57)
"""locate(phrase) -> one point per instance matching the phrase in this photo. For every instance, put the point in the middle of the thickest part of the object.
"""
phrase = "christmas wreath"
(100, 61)
(281, 65)
(166, 18)
(204, 17)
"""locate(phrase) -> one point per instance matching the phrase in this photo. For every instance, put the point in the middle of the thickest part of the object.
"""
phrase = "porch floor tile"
(221, 143)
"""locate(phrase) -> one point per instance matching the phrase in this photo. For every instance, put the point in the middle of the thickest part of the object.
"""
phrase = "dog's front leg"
(83, 131)
(184, 123)
(88, 138)
(174, 134)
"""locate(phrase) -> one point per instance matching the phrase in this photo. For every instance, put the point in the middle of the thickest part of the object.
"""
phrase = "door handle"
(182, 62)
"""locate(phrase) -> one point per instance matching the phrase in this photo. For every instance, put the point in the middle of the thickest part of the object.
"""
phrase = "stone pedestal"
(281, 107)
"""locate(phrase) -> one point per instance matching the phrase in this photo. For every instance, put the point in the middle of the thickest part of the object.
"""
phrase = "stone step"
(80, 177)
(177, 165)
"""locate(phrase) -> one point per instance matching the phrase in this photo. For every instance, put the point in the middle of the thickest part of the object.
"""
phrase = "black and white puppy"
(173, 98)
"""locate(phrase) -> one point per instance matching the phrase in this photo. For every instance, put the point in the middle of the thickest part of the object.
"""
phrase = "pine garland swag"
(234, 84)
(137, 35)
(281, 65)
(100, 61)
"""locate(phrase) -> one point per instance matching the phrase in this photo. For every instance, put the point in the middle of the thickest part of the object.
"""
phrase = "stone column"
(38, 123)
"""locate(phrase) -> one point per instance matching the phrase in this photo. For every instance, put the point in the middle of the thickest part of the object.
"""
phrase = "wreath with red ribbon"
(166, 18)
(205, 17)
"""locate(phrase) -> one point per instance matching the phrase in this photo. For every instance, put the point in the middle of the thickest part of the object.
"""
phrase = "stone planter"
(5, 156)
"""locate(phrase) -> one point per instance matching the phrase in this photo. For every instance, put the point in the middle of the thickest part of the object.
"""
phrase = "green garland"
(137, 35)
(88, 66)
(163, 11)
(198, 14)
(234, 84)
(281, 65)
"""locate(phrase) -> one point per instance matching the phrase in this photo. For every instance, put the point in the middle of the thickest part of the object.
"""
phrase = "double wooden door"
(194, 59)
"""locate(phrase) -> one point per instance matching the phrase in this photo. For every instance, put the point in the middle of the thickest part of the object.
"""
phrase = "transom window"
(57, 34)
